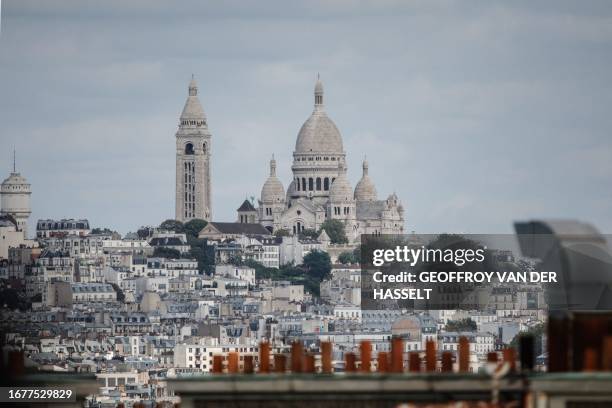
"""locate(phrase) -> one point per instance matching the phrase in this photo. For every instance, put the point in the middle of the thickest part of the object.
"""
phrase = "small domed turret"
(365, 189)
(273, 190)
(341, 189)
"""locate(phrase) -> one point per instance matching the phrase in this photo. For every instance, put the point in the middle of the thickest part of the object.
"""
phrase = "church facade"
(320, 189)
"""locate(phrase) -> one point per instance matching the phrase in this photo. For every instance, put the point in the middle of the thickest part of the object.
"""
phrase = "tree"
(98, 230)
(169, 253)
(335, 231)
(461, 325)
(317, 264)
(357, 254)
(282, 233)
(347, 258)
(261, 271)
(193, 227)
(11, 299)
(537, 332)
(144, 232)
(235, 260)
(172, 225)
(204, 254)
(309, 233)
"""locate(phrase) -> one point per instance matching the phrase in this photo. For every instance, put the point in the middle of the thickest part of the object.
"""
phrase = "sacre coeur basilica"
(319, 190)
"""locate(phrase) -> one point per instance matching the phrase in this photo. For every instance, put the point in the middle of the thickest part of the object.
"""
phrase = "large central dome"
(319, 133)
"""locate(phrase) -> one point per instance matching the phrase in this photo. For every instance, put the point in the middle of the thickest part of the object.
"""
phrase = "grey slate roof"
(246, 206)
(240, 228)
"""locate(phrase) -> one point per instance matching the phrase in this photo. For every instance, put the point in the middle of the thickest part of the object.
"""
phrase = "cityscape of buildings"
(161, 302)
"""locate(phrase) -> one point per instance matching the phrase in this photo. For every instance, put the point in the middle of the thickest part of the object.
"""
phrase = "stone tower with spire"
(15, 195)
(193, 153)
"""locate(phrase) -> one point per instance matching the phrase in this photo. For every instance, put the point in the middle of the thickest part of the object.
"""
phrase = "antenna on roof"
(14, 160)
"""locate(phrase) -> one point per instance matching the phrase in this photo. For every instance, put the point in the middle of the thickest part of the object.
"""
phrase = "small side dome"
(393, 200)
(273, 190)
(341, 189)
(365, 189)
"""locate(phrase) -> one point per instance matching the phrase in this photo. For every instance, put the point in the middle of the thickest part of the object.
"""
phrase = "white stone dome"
(319, 133)
(273, 190)
(13, 181)
(341, 189)
(365, 190)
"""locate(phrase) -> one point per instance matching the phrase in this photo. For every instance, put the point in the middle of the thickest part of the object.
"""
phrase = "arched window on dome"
(326, 184)
(303, 184)
(189, 148)
(318, 183)
(310, 184)
(297, 183)
(204, 147)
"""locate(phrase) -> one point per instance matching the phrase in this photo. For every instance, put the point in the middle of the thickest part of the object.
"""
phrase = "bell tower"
(193, 153)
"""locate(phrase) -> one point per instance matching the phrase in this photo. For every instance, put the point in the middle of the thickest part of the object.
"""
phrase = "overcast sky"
(476, 114)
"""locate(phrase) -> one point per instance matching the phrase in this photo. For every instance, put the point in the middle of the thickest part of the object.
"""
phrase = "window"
(189, 148)
(326, 184)
(318, 183)
(310, 184)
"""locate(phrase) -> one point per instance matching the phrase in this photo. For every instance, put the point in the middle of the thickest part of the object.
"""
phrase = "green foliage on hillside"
(169, 253)
(172, 225)
(335, 231)
(461, 325)
(192, 228)
(204, 254)
(309, 233)
(199, 248)
(282, 233)
(347, 258)
(315, 268)
(537, 332)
